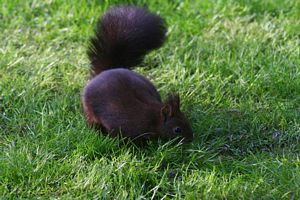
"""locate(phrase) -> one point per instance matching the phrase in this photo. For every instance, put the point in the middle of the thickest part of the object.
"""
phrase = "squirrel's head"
(173, 122)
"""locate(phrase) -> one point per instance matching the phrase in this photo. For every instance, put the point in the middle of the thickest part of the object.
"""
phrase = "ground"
(235, 64)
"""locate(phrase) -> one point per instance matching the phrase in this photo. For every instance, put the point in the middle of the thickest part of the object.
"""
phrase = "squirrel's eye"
(177, 129)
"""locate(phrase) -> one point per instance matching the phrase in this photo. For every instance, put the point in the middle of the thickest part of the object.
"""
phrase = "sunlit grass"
(235, 64)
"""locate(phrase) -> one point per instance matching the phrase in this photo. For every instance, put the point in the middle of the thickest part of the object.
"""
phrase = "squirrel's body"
(118, 100)
(121, 98)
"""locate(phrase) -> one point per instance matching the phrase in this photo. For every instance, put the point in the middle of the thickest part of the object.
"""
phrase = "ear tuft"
(166, 112)
(174, 101)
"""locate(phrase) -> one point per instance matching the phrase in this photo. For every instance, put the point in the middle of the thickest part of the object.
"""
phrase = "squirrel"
(119, 101)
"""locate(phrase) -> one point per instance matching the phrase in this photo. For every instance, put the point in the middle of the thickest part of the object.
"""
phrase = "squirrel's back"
(120, 99)
(124, 35)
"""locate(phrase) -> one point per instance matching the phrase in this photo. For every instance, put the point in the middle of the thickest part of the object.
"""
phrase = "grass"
(236, 65)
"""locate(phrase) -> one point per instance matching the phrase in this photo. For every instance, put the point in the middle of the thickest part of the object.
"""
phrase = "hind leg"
(92, 120)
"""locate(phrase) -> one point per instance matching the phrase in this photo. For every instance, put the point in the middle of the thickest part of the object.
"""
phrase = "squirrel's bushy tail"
(124, 35)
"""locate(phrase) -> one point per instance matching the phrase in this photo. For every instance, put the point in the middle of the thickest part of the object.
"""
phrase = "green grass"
(236, 65)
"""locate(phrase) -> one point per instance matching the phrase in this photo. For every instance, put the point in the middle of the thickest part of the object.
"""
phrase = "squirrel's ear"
(166, 112)
(174, 101)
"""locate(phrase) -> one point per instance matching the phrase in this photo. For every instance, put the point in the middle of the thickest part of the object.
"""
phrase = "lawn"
(235, 64)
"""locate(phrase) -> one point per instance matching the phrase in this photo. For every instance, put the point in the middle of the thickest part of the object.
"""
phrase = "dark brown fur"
(124, 35)
(120, 101)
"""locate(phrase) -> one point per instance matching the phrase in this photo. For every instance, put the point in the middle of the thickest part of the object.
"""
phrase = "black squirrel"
(118, 100)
